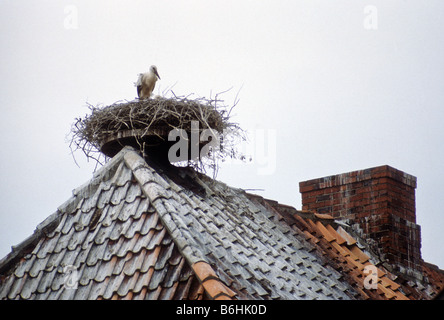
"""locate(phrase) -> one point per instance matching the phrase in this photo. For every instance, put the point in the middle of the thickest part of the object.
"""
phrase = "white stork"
(146, 82)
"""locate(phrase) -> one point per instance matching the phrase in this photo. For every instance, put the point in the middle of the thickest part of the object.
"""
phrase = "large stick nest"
(157, 117)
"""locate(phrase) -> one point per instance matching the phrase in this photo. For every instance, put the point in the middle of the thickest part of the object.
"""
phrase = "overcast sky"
(326, 87)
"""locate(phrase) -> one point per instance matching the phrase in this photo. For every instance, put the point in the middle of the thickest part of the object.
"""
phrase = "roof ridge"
(151, 184)
(157, 190)
(22, 248)
(101, 174)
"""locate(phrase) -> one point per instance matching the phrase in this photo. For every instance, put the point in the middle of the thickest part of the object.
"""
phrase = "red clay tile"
(345, 235)
(203, 271)
(310, 237)
(327, 235)
(323, 216)
(340, 249)
(386, 282)
(215, 288)
(360, 254)
(389, 294)
(339, 239)
(355, 262)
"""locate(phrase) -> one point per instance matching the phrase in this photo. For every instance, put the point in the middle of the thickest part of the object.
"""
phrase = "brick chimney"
(380, 202)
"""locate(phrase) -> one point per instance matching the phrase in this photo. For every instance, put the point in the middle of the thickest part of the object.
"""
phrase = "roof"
(137, 230)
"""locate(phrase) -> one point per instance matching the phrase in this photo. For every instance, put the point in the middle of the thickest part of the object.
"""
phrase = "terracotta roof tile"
(323, 216)
(327, 235)
(216, 288)
(204, 271)
(386, 282)
(362, 257)
(344, 234)
(339, 239)
(340, 249)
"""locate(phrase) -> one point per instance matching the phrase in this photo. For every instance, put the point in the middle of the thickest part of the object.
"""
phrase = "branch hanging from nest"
(159, 115)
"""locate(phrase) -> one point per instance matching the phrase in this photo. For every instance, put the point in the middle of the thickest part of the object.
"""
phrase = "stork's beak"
(155, 71)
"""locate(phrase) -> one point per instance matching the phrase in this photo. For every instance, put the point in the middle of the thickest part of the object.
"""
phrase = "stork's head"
(153, 69)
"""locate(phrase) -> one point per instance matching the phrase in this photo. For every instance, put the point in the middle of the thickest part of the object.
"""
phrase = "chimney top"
(380, 202)
(359, 175)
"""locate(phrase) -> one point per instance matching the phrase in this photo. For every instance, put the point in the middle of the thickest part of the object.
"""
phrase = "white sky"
(336, 96)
